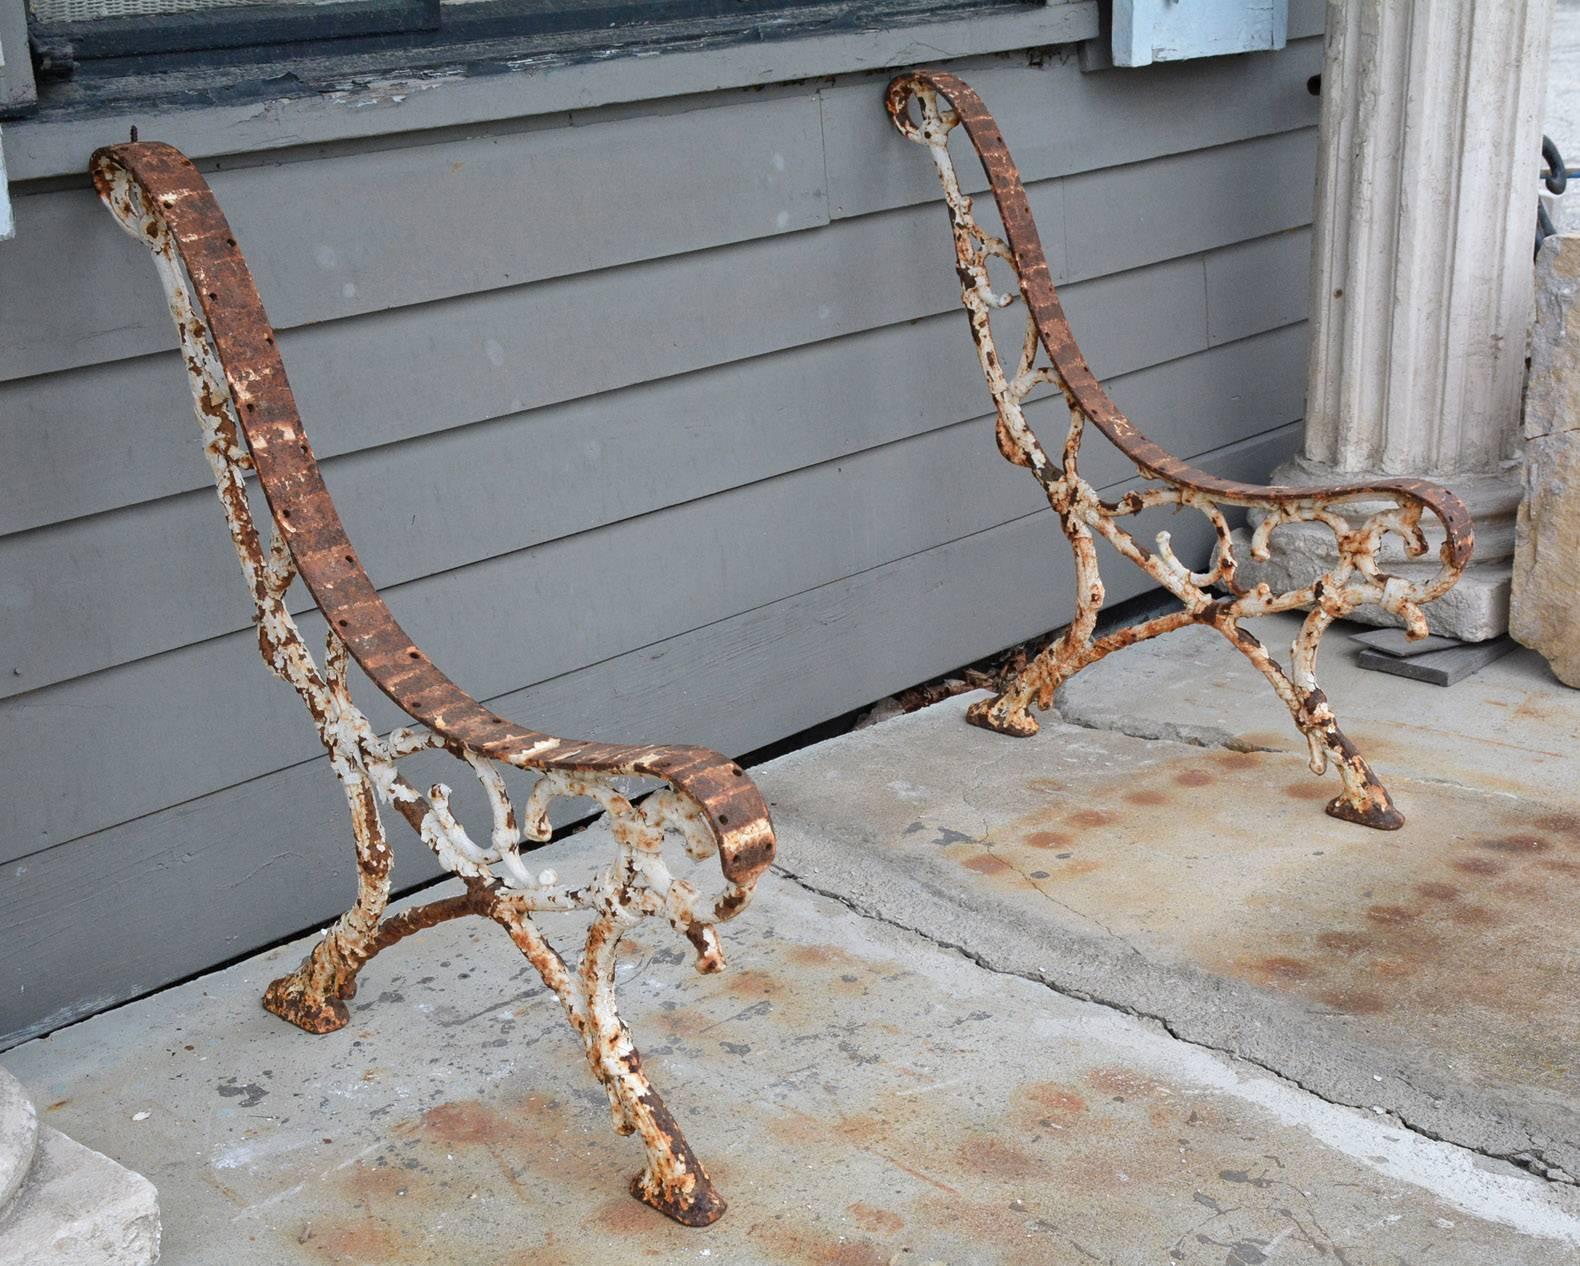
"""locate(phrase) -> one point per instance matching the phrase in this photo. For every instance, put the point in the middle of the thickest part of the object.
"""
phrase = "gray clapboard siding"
(672, 448)
(536, 613)
(416, 370)
(1305, 18)
(226, 873)
(1258, 284)
(358, 233)
(708, 176)
(435, 505)
(504, 488)
(93, 439)
(1205, 195)
(1062, 121)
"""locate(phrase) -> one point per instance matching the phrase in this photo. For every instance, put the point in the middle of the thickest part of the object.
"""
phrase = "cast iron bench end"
(925, 106)
(250, 424)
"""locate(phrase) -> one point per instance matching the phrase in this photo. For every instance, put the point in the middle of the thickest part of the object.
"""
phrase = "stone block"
(18, 1138)
(77, 1207)
(1546, 601)
(1474, 610)
(1552, 393)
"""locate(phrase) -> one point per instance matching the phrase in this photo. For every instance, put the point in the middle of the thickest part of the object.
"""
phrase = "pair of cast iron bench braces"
(250, 424)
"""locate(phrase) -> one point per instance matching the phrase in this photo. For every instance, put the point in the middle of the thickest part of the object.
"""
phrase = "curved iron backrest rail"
(1085, 392)
(942, 102)
(250, 423)
(306, 516)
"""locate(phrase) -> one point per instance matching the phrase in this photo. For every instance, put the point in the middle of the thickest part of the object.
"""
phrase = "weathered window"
(118, 28)
(96, 55)
(72, 30)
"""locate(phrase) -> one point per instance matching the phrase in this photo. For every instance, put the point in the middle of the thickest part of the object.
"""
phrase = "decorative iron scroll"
(926, 106)
(250, 424)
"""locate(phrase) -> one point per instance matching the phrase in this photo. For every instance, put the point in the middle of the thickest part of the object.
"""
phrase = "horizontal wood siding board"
(359, 233)
(1257, 284)
(237, 869)
(356, 233)
(1190, 202)
(538, 613)
(1306, 17)
(1061, 121)
(457, 498)
(93, 439)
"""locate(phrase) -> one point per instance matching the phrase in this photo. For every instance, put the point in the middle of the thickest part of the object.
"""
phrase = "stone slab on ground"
(79, 1208)
(862, 1096)
(1508, 729)
(1446, 667)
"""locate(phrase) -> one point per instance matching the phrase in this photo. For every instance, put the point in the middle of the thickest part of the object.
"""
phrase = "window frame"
(217, 122)
(428, 28)
(238, 26)
(18, 92)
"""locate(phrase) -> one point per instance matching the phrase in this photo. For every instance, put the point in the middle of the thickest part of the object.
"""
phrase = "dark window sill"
(210, 110)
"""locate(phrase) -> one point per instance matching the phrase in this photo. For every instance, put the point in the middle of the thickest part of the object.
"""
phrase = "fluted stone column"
(1421, 290)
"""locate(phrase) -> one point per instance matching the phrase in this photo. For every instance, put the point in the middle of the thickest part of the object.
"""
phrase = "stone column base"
(1474, 610)
(64, 1205)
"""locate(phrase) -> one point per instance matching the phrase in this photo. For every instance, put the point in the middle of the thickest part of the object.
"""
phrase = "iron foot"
(289, 999)
(689, 1199)
(1380, 817)
(1002, 717)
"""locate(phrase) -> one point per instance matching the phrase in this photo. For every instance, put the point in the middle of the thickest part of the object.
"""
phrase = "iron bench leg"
(314, 996)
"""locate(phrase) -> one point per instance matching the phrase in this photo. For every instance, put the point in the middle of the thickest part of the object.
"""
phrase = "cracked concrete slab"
(863, 1096)
(1427, 973)
(1510, 728)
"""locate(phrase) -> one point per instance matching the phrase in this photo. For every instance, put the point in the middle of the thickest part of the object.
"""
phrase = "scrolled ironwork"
(926, 106)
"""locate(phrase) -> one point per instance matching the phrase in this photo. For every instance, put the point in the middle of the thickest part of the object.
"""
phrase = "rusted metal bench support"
(926, 106)
(250, 424)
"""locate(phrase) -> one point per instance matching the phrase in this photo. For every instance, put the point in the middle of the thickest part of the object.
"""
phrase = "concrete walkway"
(1089, 997)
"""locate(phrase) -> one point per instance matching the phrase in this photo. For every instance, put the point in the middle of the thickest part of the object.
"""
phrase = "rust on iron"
(1215, 597)
(249, 422)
